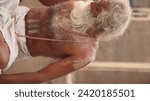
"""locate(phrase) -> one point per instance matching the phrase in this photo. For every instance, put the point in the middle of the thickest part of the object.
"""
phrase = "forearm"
(49, 73)
(20, 78)
(52, 71)
(51, 2)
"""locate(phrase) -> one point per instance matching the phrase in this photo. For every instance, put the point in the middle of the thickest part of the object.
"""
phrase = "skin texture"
(51, 2)
(97, 7)
(4, 52)
(70, 53)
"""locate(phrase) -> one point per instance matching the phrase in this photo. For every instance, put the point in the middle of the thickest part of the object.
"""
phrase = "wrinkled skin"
(37, 25)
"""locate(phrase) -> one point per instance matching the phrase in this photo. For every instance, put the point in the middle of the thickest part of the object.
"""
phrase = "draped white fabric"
(10, 15)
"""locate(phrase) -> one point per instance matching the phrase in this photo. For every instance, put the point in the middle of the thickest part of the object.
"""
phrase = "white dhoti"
(12, 23)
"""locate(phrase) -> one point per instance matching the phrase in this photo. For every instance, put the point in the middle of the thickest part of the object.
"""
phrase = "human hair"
(107, 25)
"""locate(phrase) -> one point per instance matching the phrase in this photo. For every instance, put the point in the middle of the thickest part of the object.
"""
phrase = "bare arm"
(51, 2)
(52, 71)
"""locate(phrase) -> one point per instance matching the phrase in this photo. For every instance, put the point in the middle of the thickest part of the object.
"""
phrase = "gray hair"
(113, 22)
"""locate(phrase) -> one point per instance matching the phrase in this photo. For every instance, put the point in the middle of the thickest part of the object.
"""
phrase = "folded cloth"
(12, 22)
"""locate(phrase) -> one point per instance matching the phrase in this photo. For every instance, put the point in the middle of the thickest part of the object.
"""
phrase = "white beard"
(80, 19)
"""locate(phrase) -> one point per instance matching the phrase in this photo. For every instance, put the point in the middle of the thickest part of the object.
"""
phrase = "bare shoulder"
(82, 50)
(4, 52)
(82, 54)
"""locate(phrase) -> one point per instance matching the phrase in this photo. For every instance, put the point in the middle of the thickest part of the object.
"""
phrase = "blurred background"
(124, 60)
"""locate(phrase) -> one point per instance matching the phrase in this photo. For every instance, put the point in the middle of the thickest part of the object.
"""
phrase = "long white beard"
(80, 19)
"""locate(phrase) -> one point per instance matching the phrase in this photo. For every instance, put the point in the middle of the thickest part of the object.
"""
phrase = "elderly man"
(68, 30)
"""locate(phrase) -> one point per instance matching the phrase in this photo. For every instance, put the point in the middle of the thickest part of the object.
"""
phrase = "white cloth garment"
(12, 23)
